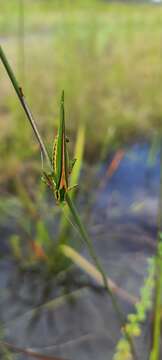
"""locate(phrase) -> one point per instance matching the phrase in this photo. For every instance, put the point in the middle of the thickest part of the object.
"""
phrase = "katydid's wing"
(70, 162)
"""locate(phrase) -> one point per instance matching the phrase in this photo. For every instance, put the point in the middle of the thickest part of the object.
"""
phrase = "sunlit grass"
(110, 57)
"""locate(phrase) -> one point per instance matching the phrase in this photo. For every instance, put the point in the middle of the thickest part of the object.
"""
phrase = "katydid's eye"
(67, 139)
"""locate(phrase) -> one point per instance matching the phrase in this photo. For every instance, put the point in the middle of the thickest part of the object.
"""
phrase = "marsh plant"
(56, 171)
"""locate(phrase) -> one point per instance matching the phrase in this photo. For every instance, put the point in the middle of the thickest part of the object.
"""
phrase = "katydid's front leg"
(48, 179)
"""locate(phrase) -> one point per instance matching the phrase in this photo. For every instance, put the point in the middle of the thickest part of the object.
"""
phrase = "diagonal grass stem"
(99, 267)
(24, 104)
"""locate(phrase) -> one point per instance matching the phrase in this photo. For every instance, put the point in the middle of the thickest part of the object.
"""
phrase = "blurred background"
(107, 57)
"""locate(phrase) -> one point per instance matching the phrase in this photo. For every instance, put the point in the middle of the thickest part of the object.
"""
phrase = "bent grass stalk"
(91, 270)
(69, 202)
(28, 352)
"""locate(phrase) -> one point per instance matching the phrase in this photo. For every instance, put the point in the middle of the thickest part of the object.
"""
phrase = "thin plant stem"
(99, 267)
(155, 353)
(64, 226)
(24, 104)
(69, 202)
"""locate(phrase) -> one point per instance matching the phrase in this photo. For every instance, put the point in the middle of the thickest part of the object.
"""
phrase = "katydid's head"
(62, 115)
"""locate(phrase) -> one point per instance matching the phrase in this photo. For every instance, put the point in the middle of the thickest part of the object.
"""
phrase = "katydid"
(62, 167)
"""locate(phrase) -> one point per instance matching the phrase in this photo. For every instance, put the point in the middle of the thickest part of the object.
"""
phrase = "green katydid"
(62, 167)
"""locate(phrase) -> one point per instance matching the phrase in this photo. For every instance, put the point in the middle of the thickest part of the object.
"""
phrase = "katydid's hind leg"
(54, 153)
(73, 187)
(44, 177)
(71, 165)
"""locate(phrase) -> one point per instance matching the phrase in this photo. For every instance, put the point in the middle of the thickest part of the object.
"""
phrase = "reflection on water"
(135, 181)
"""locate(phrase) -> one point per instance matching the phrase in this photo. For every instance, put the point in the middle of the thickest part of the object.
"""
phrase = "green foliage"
(155, 352)
(95, 50)
(133, 326)
(15, 243)
(42, 234)
(4, 351)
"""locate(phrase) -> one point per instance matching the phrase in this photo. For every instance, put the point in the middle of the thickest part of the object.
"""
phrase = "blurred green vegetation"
(105, 56)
